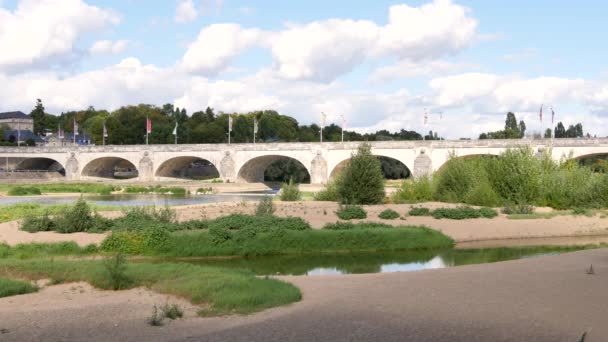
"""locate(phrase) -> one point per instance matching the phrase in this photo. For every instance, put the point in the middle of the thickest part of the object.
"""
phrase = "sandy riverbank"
(547, 298)
(499, 231)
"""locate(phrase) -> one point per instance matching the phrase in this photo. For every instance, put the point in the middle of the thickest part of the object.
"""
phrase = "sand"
(499, 231)
(547, 298)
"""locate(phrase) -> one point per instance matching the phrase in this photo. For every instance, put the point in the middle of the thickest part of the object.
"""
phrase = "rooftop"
(14, 115)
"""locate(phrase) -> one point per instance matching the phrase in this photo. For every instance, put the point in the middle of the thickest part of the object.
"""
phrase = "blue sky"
(472, 60)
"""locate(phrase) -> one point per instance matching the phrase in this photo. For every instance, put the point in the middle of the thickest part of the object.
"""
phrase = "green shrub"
(9, 287)
(389, 214)
(204, 190)
(580, 211)
(264, 207)
(482, 194)
(24, 191)
(516, 175)
(76, 219)
(138, 189)
(462, 213)
(518, 209)
(419, 211)
(116, 267)
(127, 242)
(349, 212)
(457, 177)
(330, 193)
(362, 181)
(413, 191)
(361, 225)
(34, 224)
(171, 311)
(290, 192)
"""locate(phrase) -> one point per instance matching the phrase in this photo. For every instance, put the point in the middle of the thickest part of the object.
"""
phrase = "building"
(68, 139)
(17, 121)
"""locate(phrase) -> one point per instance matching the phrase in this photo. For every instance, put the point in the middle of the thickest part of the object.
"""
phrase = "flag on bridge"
(105, 130)
(426, 116)
(75, 128)
(229, 123)
(323, 119)
(148, 125)
(541, 113)
(552, 116)
(175, 129)
(255, 126)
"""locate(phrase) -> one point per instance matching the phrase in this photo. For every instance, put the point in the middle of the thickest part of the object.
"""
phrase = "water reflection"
(139, 199)
(354, 263)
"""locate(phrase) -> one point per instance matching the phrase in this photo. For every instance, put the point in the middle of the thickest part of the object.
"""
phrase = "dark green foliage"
(286, 169)
(419, 211)
(137, 189)
(463, 213)
(116, 267)
(9, 287)
(32, 250)
(34, 224)
(290, 192)
(330, 193)
(260, 223)
(482, 193)
(518, 209)
(389, 214)
(393, 169)
(350, 212)
(580, 211)
(24, 191)
(361, 225)
(264, 207)
(76, 219)
(362, 181)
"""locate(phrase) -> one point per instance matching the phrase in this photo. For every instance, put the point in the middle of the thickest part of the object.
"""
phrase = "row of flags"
(541, 114)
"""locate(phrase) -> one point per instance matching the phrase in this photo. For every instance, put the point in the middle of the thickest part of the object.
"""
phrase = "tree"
(511, 122)
(560, 131)
(548, 133)
(361, 180)
(38, 115)
(522, 129)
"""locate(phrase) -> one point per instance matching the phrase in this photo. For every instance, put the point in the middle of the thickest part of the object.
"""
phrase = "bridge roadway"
(247, 162)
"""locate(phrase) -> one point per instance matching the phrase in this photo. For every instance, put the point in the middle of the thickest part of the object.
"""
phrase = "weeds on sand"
(156, 320)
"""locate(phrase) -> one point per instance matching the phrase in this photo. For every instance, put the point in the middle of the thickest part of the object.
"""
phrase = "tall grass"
(9, 287)
(517, 177)
(225, 291)
(14, 189)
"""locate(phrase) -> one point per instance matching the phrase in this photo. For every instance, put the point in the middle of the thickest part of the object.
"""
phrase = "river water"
(356, 263)
(140, 199)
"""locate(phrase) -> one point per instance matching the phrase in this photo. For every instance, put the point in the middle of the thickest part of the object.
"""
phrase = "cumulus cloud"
(40, 32)
(216, 46)
(108, 46)
(186, 11)
(407, 68)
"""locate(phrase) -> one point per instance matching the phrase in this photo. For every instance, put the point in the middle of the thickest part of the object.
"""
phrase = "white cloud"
(108, 46)
(185, 11)
(216, 46)
(45, 31)
(407, 68)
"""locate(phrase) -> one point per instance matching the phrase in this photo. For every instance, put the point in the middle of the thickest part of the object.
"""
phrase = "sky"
(379, 64)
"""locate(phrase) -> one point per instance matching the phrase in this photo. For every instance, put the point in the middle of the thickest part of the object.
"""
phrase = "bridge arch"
(188, 167)
(254, 170)
(392, 168)
(39, 164)
(110, 167)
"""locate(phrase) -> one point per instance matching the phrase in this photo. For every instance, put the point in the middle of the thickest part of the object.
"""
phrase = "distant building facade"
(17, 121)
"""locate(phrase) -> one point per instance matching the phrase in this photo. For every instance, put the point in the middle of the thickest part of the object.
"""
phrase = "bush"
(116, 267)
(290, 192)
(171, 311)
(34, 224)
(518, 209)
(516, 175)
(462, 213)
(127, 242)
(9, 287)
(264, 207)
(330, 193)
(389, 214)
(413, 191)
(76, 219)
(24, 191)
(362, 181)
(361, 225)
(419, 211)
(482, 194)
(350, 212)
(457, 177)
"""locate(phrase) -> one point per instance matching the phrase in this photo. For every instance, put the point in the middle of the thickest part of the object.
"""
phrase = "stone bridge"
(247, 162)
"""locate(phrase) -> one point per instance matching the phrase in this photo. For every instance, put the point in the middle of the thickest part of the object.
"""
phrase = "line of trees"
(126, 125)
(515, 130)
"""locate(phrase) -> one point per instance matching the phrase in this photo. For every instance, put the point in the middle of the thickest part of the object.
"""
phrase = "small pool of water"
(139, 199)
(317, 265)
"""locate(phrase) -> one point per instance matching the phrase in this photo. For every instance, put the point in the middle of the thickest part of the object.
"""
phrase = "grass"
(137, 189)
(224, 291)
(89, 188)
(20, 210)
(9, 287)
(555, 213)
(37, 250)
(279, 241)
